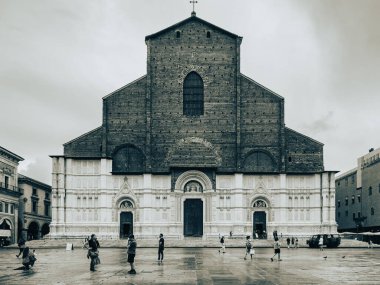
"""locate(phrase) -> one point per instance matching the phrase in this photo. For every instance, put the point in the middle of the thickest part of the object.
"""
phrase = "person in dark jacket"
(131, 250)
(21, 246)
(93, 252)
(161, 247)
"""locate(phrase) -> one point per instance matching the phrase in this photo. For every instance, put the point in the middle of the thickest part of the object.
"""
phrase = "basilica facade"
(192, 149)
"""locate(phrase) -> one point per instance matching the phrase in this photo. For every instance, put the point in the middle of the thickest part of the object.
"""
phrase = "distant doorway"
(45, 229)
(193, 218)
(260, 225)
(126, 224)
(33, 231)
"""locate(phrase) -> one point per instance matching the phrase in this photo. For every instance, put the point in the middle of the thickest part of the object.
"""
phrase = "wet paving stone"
(196, 266)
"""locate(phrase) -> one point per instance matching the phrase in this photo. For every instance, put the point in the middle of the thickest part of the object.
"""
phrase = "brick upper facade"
(241, 129)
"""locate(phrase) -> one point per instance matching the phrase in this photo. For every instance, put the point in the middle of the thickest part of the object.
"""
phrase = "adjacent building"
(35, 207)
(9, 196)
(193, 148)
(358, 195)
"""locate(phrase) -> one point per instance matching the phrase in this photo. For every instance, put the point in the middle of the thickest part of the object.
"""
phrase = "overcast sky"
(59, 58)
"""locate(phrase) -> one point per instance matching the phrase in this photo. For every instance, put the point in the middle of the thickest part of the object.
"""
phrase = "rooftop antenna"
(193, 2)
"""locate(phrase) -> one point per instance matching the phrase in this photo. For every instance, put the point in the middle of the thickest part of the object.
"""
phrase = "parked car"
(328, 240)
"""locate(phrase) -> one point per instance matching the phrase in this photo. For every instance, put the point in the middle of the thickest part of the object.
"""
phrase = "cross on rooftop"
(193, 2)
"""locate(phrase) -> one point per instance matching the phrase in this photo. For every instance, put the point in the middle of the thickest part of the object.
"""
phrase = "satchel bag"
(93, 254)
(252, 251)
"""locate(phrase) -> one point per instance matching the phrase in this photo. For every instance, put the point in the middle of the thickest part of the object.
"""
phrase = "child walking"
(277, 249)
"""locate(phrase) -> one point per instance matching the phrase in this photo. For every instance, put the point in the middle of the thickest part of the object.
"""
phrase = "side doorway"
(260, 225)
(126, 224)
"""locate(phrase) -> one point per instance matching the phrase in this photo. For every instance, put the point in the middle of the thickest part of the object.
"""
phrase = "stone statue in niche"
(193, 186)
(260, 204)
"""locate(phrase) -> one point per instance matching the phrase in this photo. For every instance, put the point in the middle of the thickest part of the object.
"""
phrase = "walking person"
(131, 250)
(223, 247)
(292, 242)
(296, 243)
(277, 249)
(21, 246)
(93, 252)
(320, 243)
(248, 247)
(161, 246)
(288, 242)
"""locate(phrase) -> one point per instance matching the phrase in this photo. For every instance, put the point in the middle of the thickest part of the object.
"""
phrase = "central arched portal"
(193, 218)
(126, 224)
(260, 224)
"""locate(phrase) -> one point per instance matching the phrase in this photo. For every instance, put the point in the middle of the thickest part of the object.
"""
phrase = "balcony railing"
(3, 186)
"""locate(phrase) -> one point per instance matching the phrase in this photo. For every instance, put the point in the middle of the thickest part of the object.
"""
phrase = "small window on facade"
(6, 182)
(359, 199)
(6, 208)
(370, 190)
(353, 200)
(34, 206)
(338, 203)
(353, 179)
(208, 34)
(178, 34)
(47, 195)
(46, 210)
(193, 95)
(12, 209)
(353, 216)
(346, 202)
(34, 191)
(290, 159)
(372, 211)
(338, 183)
(1, 207)
(359, 215)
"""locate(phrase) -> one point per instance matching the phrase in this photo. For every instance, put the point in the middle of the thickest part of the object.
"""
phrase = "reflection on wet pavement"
(196, 266)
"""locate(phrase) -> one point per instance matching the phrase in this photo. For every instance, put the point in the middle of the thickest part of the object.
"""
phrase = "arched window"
(128, 159)
(193, 95)
(259, 161)
(126, 204)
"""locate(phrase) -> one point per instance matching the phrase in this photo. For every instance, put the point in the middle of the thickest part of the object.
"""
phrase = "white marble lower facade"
(87, 199)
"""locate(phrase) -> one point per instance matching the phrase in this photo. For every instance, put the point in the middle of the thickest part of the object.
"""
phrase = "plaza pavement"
(196, 266)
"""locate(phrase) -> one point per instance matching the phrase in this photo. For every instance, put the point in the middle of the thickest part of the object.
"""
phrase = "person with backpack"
(93, 252)
(248, 247)
(223, 247)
